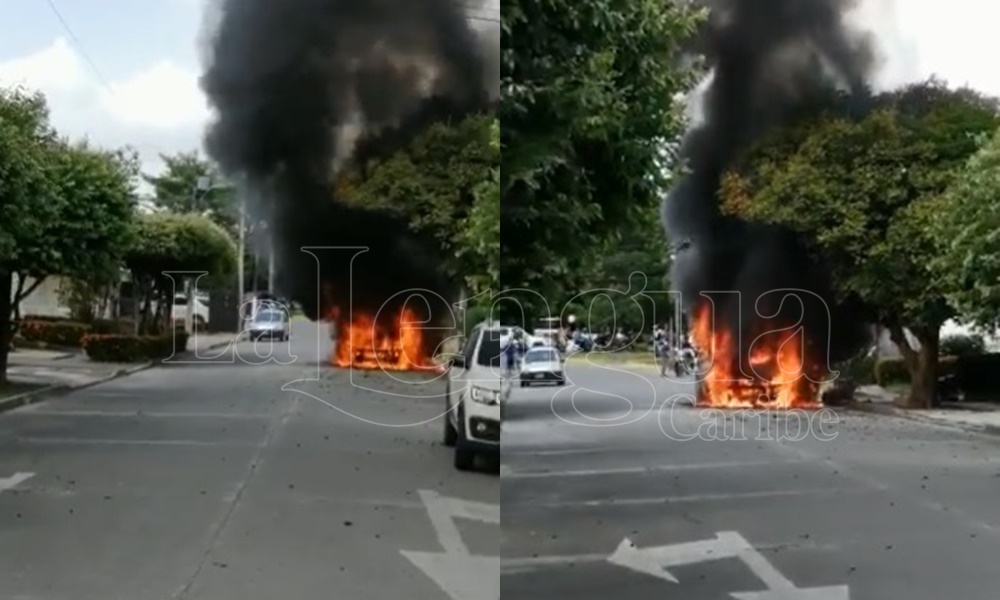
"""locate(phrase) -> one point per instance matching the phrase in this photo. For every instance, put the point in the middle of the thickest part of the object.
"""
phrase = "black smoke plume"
(300, 87)
(770, 60)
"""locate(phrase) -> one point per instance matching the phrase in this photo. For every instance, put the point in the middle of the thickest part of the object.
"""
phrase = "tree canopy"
(65, 207)
(441, 185)
(165, 243)
(589, 103)
(176, 189)
(967, 228)
(864, 192)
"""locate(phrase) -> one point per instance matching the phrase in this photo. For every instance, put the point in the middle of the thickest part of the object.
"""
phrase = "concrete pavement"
(599, 502)
(252, 473)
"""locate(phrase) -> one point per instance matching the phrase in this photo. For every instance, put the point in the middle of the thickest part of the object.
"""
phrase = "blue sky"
(144, 90)
(121, 36)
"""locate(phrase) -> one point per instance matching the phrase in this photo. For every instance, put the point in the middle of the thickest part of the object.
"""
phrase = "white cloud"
(157, 110)
(919, 38)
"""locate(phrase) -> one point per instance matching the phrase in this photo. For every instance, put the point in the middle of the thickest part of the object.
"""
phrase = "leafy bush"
(46, 318)
(891, 371)
(963, 345)
(860, 370)
(67, 334)
(113, 327)
(977, 374)
(133, 348)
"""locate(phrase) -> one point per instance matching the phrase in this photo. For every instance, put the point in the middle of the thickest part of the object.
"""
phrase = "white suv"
(475, 396)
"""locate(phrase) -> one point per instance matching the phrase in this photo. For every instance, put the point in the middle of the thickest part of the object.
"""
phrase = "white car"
(199, 314)
(542, 365)
(475, 396)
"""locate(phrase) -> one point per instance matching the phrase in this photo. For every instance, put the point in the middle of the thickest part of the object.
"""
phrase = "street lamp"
(202, 186)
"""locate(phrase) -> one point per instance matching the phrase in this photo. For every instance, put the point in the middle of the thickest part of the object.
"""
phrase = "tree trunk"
(6, 289)
(923, 389)
(921, 363)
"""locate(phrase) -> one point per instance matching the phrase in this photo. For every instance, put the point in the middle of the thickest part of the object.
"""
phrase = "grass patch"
(10, 389)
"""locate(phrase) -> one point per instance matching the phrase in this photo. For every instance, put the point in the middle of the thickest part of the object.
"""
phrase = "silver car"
(271, 324)
(542, 365)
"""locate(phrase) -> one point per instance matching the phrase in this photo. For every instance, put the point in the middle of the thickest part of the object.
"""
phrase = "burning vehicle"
(761, 308)
(304, 90)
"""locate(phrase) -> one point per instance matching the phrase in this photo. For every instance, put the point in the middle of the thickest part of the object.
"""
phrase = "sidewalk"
(978, 417)
(41, 371)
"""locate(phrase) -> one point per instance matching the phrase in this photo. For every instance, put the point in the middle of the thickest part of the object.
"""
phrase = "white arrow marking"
(728, 544)
(457, 572)
(14, 480)
(461, 576)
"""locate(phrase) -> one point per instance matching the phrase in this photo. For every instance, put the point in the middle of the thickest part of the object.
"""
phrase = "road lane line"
(126, 442)
(507, 473)
(132, 414)
(695, 498)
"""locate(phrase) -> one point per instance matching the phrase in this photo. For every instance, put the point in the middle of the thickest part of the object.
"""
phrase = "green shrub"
(978, 374)
(133, 348)
(46, 318)
(890, 371)
(962, 345)
(113, 326)
(66, 334)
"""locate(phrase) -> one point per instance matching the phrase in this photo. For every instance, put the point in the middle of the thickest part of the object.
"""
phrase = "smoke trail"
(300, 86)
(769, 60)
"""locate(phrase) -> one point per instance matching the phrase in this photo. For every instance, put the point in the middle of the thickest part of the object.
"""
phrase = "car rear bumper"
(545, 376)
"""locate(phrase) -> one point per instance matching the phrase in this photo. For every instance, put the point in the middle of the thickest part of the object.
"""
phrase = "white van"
(475, 396)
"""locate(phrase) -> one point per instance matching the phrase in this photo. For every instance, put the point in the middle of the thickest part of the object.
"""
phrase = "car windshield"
(489, 351)
(537, 356)
(270, 316)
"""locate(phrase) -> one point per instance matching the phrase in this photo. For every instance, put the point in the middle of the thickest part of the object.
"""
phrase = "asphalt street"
(253, 473)
(612, 487)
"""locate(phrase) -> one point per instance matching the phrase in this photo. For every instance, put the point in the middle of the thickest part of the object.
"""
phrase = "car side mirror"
(459, 361)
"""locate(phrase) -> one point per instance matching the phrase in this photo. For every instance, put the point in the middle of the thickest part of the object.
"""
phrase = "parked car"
(179, 310)
(474, 397)
(271, 324)
(542, 365)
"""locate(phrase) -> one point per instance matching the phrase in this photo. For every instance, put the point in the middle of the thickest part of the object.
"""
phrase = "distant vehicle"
(271, 324)
(179, 311)
(474, 397)
(542, 365)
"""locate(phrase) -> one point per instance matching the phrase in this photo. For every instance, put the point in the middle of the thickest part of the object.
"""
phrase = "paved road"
(597, 502)
(243, 476)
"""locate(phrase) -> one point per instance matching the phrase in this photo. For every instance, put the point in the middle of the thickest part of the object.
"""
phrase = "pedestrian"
(510, 354)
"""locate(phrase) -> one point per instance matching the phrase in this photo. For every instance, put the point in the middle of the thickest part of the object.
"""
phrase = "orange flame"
(774, 376)
(395, 344)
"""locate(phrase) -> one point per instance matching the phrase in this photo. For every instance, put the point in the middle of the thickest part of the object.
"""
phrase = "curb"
(873, 408)
(40, 395)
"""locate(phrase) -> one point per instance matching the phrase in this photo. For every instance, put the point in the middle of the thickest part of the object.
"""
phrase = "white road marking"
(14, 480)
(460, 574)
(507, 473)
(655, 561)
(126, 442)
(691, 498)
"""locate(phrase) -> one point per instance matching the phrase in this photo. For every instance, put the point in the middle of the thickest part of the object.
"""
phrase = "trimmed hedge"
(66, 334)
(132, 348)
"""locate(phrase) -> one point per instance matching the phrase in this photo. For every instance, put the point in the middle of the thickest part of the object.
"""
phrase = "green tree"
(968, 229)
(65, 207)
(479, 237)
(588, 108)
(438, 185)
(176, 189)
(165, 243)
(865, 193)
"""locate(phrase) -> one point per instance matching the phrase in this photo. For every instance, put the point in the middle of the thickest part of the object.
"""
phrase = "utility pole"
(241, 261)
